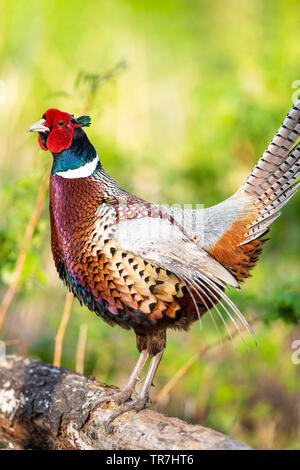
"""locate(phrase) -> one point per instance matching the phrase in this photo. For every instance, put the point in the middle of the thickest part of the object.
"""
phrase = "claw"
(118, 397)
(135, 405)
(108, 427)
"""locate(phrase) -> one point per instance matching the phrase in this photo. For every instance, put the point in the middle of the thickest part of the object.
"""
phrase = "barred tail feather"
(275, 155)
(246, 216)
(271, 181)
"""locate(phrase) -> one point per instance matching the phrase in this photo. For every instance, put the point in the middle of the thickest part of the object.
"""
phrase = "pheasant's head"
(62, 134)
(56, 129)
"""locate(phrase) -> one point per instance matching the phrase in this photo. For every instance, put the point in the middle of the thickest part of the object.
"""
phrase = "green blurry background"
(184, 97)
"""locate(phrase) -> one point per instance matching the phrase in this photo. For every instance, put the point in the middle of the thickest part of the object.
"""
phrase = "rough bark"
(46, 407)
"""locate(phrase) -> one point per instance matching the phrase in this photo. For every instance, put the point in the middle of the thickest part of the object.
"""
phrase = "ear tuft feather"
(84, 121)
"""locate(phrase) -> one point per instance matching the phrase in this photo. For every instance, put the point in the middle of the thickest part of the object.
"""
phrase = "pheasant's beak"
(39, 127)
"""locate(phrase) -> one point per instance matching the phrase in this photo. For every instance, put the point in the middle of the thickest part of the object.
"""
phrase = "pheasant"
(146, 267)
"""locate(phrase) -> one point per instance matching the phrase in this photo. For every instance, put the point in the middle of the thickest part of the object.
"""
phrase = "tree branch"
(47, 407)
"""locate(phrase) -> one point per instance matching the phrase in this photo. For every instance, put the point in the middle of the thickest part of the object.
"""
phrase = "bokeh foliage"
(184, 97)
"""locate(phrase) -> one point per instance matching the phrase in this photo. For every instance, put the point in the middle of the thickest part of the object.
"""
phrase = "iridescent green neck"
(79, 154)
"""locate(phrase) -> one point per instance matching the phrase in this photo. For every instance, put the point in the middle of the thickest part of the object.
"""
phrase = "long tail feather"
(217, 310)
(228, 313)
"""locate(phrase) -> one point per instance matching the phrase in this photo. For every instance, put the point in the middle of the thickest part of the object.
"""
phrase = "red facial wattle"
(59, 140)
(61, 127)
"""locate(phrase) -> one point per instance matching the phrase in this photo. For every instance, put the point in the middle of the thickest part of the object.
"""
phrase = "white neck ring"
(81, 172)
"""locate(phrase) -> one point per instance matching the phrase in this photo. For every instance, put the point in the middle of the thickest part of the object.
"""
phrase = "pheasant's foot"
(138, 404)
(129, 387)
(142, 399)
(118, 397)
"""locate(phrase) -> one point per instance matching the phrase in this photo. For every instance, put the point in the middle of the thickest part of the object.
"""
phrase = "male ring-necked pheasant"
(147, 267)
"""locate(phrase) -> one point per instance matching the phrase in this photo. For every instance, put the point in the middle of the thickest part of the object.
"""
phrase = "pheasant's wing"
(164, 244)
(231, 231)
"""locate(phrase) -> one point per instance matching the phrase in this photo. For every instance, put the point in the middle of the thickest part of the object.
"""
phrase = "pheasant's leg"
(143, 396)
(129, 387)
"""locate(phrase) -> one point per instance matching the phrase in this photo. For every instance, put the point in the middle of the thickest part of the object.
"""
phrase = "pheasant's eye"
(61, 123)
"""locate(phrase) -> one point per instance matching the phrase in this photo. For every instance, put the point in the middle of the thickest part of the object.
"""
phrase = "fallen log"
(47, 407)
